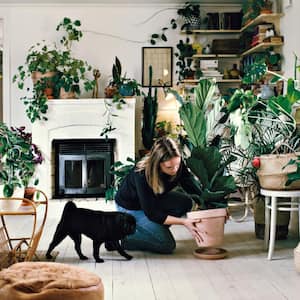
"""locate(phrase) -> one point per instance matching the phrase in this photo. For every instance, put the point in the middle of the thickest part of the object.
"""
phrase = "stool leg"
(267, 222)
(273, 226)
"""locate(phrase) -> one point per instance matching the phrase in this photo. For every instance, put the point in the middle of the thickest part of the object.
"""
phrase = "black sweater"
(135, 193)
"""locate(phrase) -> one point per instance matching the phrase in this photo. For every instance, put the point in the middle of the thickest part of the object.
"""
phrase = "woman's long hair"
(162, 150)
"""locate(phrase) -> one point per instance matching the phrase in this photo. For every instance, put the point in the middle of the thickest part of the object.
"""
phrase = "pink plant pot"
(211, 226)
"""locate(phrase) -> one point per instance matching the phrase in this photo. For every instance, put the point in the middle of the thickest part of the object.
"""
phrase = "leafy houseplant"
(191, 14)
(72, 72)
(40, 65)
(65, 71)
(19, 157)
(206, 161)
(184, 59)
(121, 86)
(119, 170)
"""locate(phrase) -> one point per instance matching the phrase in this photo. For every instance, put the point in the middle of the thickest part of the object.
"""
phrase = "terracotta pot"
(110, 91)
(28, 194)
(66, 95)
(35, 76)
(211, 226)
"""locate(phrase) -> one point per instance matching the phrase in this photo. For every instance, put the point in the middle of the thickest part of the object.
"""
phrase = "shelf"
(214, 31)
(216, 56)
(194, 81)
(260, 19)
(260, 47)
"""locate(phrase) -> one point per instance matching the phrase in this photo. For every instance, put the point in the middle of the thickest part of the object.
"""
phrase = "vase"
(211, 226)
(8, 204)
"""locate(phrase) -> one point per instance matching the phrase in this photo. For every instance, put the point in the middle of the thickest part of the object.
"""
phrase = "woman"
(146, 193)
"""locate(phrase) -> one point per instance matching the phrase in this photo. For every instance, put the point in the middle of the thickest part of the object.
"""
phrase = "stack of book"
(260, 33)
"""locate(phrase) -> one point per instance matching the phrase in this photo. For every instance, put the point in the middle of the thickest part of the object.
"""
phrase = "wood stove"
(82, 167)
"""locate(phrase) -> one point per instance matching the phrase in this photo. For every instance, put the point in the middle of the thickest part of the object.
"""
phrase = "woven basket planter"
(271, 174)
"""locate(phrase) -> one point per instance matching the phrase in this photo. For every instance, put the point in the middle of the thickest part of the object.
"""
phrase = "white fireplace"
(81, 119)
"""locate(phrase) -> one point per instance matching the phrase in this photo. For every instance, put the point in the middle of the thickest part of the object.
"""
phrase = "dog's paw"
(83, 257)
(99, 260)
(49, 256)
(129, 257)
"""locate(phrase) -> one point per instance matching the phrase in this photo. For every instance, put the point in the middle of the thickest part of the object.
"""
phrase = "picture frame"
(161, 60)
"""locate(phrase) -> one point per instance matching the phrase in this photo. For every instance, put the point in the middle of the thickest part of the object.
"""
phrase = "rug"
(41, 256)
(6, 259)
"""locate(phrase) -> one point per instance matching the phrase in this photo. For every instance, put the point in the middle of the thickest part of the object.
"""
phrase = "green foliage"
(207, 165)
(72, 30)
(19, 157)
(149, 114)
(293, 176)
(119, 170)
(70, 73)
(184, 58)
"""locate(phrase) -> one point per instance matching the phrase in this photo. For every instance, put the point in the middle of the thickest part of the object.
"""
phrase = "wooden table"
(22, 248)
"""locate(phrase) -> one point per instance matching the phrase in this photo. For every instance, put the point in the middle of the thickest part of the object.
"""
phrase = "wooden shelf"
(194, 81)
(214, 31)
(216, 56)
(260, 47)
(260, 19)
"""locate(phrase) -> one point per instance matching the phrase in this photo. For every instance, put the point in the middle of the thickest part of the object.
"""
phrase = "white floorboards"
(244, 274)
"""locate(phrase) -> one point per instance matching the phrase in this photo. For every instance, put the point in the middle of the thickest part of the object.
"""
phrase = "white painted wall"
(28, 24)
(24, 25)
(290, 31)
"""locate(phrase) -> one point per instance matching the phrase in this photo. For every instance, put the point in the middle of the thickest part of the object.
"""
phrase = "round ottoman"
(49, 281)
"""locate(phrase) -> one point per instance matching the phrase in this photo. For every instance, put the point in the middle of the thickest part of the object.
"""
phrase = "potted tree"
(19, 157)
(208, 164)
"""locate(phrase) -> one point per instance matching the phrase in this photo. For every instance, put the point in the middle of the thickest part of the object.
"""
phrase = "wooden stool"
(271, 207)
(49, 281)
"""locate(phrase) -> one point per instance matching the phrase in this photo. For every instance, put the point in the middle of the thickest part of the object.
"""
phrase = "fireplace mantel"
(81, 119)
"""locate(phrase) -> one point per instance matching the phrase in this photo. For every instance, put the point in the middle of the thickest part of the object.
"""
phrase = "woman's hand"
(191, 226)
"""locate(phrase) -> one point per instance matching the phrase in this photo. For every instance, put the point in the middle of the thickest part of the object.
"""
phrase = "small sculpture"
(96, 74)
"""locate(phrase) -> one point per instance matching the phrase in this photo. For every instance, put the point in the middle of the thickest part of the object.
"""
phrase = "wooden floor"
(244, 274)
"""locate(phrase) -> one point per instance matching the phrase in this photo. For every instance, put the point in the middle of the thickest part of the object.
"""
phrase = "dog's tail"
(68, 207)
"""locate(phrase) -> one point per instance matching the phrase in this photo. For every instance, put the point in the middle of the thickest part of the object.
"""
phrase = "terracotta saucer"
(210, 253)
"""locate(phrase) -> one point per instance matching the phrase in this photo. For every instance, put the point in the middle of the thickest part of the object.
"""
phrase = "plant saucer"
(210, 253)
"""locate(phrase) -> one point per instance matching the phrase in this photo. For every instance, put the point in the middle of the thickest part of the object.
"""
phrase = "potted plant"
(191, 15)
(41, 65)
(52, 68)
(19, 157)
(72, 72)
(206, 160)
(184, 59)
(121, 86)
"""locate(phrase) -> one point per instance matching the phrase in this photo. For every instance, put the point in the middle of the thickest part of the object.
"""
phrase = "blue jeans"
(154, 237)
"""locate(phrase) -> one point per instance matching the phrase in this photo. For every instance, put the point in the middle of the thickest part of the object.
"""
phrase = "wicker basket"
(297, 258)
(272, 176)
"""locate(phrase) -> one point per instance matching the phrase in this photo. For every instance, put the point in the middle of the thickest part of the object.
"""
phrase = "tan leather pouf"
(49, 281)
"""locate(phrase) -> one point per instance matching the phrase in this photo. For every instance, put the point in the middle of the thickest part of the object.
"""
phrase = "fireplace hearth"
(82, 167)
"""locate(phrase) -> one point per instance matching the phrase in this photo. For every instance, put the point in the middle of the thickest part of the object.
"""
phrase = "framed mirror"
(161, 60)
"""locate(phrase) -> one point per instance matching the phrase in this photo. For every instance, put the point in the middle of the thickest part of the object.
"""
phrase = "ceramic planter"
(211, 226)
(271, 174)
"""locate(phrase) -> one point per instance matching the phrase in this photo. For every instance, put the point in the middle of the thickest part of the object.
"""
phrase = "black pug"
(100, 226)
